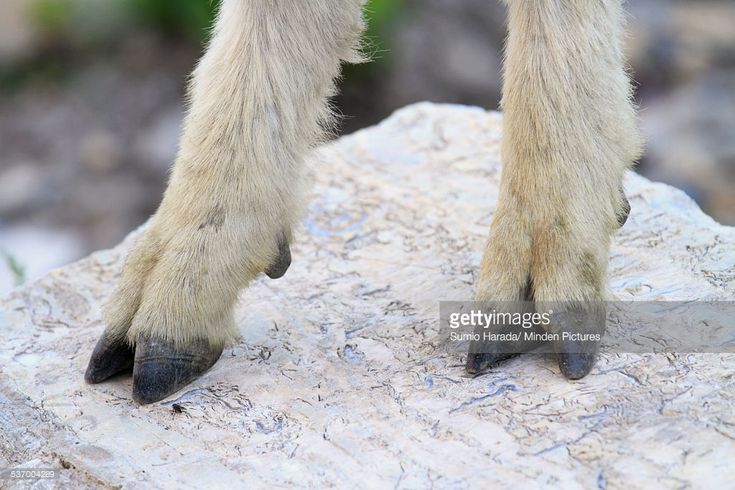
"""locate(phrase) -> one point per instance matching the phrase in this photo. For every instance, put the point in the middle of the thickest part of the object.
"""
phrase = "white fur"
(258, 105)
(569, 135)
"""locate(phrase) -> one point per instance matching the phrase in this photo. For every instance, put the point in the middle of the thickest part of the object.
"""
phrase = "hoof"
(485, 354)
(576, 365)
(108, 359)
(581, 328)
(576, 358)
(478, 363)
(283, 261)
(162, 369)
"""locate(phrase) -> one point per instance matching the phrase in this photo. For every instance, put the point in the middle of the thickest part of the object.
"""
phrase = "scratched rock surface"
(338, 379)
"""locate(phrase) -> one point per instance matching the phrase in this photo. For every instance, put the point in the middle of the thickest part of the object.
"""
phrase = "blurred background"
(91, 103)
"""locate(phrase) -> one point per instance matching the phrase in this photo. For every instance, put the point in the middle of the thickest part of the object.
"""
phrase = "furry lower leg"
(258, 104)
(569, 135)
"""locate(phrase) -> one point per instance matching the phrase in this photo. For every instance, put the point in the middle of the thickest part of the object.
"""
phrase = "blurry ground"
(91, 90)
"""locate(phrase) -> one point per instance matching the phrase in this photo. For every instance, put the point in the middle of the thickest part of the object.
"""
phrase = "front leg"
(569, 135)
(258, 105)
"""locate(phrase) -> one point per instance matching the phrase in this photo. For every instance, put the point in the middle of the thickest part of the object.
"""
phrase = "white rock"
(337, 380)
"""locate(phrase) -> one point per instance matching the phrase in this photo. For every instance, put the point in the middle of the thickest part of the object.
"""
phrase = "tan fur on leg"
(569, 135)
(258, 105)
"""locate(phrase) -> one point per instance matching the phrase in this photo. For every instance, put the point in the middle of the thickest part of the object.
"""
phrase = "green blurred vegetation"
(189, 18)
(17, 270)
(380, 16)
(192, 18)
(96, 22)
(77, 30)
(53, 16)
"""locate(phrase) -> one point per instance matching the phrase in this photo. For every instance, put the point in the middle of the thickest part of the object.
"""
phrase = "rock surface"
(337, 379)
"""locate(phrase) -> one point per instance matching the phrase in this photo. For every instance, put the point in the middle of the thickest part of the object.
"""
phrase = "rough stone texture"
(338, 380)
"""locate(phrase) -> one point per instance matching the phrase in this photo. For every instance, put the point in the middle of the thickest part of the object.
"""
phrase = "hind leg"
(569, 135)
(258, 104)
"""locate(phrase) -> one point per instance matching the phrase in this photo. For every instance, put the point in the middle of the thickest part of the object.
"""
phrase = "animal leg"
(258, 105)
(569, 135)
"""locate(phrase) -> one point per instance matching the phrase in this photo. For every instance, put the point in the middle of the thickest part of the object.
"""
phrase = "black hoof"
(283, 261)
(576, 357)
(477, 363)
(161, 369)
(484, 355)
(108, 359)
(576, 365)
(579, 337)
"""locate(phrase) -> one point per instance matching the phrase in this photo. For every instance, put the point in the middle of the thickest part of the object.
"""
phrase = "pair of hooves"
(572, 365)
(160, 368)
(575, 360)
